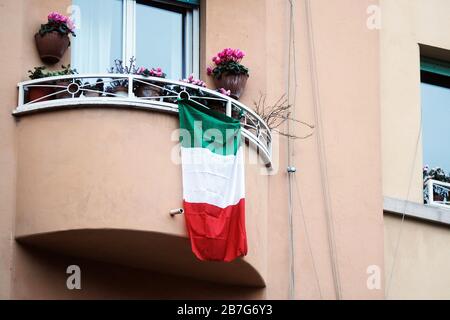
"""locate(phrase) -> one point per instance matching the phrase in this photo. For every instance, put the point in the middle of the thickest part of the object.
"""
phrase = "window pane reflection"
(436, 130)
(159, 39)
(99, 35)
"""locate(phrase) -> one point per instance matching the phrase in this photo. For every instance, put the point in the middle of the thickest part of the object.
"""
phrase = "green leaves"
(37, 73)
(436, 174)
(40, 72)
(59, 27)
(229, 67)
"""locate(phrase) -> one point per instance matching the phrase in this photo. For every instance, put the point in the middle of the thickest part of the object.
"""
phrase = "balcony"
(437, 193)
(82, 90)
(96, 177)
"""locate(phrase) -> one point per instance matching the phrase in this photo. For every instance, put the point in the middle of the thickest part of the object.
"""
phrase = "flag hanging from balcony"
(213, 182)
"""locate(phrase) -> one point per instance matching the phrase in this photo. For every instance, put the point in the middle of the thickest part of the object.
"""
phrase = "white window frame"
(191, 46)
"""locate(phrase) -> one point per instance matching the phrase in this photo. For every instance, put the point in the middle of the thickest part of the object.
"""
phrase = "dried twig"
(277, 114)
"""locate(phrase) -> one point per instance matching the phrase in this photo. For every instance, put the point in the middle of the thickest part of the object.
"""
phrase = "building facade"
(89, 182)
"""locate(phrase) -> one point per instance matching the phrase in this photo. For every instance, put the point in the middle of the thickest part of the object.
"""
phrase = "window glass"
(159, 39)
(99, 35)
(436, 128)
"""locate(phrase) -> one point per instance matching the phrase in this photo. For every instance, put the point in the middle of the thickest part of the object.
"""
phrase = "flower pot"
(35, 93)
(51, 46)
(234, 83)
(146, 91)
(120, 91)
(91, 94)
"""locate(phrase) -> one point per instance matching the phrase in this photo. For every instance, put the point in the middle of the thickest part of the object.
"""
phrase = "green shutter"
(193, 2)
(435, 66)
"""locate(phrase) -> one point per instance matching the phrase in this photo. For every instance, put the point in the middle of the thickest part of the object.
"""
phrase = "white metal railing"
(138, 92)
(436, 193)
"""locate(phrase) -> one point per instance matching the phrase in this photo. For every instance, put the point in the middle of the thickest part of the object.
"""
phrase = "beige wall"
(58, 156)
(405, 25)
(422, 261)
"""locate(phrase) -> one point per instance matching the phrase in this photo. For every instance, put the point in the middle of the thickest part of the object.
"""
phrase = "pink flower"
(55, 16)
(225, 92)
(71, 25)
(238, 54)
(223, 58)
(194, 81)
(59, 18)
(228, 54)
(157, 72)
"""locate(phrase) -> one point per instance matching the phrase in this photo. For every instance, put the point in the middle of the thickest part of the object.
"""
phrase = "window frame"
(191, 35)
(435, 72)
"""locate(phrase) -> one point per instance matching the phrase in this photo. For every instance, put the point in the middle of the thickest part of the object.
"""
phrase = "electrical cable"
(397, 245)
(289, 156)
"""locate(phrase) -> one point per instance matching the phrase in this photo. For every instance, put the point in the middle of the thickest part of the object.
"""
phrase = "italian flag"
(213, 182)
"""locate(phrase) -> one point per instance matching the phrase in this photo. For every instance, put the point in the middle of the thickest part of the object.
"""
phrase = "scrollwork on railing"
(150, 93)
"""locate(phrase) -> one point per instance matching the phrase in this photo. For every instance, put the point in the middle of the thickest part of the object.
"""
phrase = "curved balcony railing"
(135, 91)
(436, 193)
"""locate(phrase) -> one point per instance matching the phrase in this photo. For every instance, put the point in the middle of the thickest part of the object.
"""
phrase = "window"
(436, 131)
(436, 113)
(157, 33)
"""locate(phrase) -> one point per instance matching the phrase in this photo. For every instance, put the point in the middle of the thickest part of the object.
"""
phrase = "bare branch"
(277, 114)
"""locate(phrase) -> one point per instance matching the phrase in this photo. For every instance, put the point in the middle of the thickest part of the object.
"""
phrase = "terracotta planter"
(120, 91)
(51, 46)
(93, 90)
(146, 91)
(35, 93)
(91, 94)
(234, 83)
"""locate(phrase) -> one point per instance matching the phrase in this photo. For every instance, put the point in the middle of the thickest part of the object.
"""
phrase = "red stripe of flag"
(217, 234)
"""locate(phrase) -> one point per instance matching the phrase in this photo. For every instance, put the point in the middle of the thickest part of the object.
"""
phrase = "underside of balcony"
(151, 251)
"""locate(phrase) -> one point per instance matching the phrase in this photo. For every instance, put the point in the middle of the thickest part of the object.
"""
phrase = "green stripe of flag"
(205, 128)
